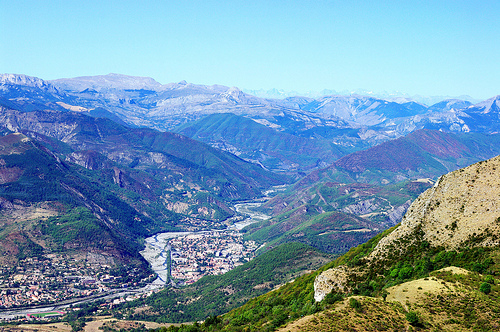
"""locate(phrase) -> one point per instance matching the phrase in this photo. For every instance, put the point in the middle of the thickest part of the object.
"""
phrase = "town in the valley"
(214, 252)
(54, 279)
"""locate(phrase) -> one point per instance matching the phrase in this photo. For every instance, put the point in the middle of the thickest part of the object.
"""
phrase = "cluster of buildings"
(54, 279)
(208, 253)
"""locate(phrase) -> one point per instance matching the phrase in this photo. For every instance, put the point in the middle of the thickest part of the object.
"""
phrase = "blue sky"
(416, 47)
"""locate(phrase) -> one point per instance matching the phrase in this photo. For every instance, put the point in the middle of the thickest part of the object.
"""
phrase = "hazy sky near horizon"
(416, 47)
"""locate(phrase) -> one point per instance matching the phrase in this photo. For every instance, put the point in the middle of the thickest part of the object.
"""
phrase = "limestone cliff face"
(463, 205)
(39, 122)
(329, 280)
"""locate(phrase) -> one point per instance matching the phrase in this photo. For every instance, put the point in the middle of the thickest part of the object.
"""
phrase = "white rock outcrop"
(329, 280)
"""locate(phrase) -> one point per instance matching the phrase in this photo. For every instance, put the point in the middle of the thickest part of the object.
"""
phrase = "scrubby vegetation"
(215, 295)
(295, 300)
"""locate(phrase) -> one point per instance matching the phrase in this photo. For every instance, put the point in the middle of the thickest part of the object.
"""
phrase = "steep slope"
(191, 177)
(255, 142)
(455, 223)
(48, 206)
(484, 116)
(394, 172)
(424, 153)
(458, 215)
(28, 93)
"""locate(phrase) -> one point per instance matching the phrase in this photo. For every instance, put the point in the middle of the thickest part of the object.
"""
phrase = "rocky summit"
(461, 210)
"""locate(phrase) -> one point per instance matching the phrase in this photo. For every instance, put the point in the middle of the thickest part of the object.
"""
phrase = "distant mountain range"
(256, 142)
(342, 124)
(391, 96)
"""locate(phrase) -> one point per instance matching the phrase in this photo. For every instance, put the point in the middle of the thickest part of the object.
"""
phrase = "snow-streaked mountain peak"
(110, 81)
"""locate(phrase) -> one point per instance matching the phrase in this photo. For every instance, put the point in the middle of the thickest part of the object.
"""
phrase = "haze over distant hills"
(393, 96)
(346, 123)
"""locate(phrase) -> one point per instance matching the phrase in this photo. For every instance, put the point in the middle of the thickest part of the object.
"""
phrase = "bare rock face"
(362, 207)
(88, 159)
(462, 209)
(462, 204)
(117, 176)
(329, 280)
(39, 122)
(24, 80)
(396, 214)
(5, 204)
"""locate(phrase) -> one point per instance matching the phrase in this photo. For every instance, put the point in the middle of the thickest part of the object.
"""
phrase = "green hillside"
(147, 161)
(332, 232)
(277, 151)
(370, 188)
(51, 211)
(333, 216)
(215, 295)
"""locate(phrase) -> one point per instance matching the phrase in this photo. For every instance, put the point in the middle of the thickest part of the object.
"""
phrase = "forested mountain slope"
(190, 177)
(438, 269)
(50, 206)
(368, 191)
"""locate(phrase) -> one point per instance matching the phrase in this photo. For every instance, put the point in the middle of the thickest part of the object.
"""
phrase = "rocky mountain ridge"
(128, 96)
(28, 81)
(460, 210)
(343, 123)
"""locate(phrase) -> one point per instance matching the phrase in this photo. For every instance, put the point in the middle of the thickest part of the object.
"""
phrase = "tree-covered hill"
(276, 150)
(50, 206)
(172, 172)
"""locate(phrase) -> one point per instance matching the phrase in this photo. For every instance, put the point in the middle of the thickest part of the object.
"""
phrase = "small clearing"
(414, 291)
(99, 324)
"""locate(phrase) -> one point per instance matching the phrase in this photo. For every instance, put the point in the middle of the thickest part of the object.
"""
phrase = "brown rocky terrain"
(461, 210)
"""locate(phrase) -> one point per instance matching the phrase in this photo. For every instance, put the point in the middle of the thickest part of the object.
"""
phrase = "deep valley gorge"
(130, 205)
